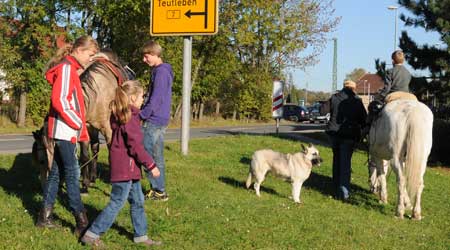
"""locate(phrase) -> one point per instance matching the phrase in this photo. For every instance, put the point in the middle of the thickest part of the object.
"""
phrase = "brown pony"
(99, 81)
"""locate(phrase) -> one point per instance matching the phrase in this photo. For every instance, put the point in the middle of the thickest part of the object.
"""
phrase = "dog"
(295, 168)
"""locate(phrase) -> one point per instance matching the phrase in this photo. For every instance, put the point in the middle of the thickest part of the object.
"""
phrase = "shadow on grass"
(241, 185)
(22, 181)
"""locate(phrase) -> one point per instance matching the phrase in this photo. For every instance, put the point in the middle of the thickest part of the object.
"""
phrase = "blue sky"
(366, 32)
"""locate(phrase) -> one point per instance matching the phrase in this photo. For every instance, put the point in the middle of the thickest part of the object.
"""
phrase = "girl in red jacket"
(126, 155)
(66, 126)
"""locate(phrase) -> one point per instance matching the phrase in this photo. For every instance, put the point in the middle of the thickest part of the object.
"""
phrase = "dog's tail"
(248, 183)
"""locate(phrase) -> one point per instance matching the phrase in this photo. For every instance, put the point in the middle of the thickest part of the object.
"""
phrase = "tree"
(356, 74)
(26, 46)
(432, 16)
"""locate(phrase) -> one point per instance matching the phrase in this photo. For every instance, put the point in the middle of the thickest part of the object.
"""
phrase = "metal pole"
(395, 32)
(278, 124)
(186, 106)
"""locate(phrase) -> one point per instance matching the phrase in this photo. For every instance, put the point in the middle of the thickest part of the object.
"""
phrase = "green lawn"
(209, 208)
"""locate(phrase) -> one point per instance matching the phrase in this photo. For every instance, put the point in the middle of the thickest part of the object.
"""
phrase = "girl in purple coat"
(126, 155)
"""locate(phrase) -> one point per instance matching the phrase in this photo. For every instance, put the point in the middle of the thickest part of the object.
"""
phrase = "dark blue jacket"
(126, 152)
(347, 115)
(156, 108)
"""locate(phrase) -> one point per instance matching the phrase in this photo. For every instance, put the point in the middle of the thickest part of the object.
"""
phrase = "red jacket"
(66, 120)
(126, 152)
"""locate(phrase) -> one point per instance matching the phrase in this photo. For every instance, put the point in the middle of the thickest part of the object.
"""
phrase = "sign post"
(184, 18)
(277, 102)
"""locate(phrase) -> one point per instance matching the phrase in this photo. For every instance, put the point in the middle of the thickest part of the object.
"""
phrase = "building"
(367, 86)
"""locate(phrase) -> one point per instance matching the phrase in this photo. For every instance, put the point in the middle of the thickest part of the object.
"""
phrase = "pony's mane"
(90, 78)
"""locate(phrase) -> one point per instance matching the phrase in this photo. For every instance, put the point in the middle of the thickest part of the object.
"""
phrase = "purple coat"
(156, 108)
(126, 152)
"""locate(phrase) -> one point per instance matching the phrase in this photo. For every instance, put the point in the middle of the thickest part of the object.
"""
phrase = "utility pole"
(334, 83)
(306, 94)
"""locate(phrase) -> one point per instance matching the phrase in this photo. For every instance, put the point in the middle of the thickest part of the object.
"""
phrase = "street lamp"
(395, 8)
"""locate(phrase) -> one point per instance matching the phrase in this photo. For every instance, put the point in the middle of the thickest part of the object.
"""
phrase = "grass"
(209, 208)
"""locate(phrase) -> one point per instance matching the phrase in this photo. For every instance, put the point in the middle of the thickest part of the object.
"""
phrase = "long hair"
(120, 105)
(83, 42)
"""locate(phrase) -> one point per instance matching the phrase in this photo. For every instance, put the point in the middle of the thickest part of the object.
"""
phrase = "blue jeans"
(154, 145)
(342, 161)
(120, 193)
(65, 157)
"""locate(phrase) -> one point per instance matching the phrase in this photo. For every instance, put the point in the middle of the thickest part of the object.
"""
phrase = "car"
(295, 113)
(316, 116)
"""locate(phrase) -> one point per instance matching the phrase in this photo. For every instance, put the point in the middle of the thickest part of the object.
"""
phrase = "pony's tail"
(248, 183)
(419, 145)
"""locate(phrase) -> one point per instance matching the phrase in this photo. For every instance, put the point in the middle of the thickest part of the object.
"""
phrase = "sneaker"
(157, 196)
(94, 242)
(150, 242)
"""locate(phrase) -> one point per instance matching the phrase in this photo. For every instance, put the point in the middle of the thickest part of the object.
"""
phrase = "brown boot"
(82, 223)
(45, 218)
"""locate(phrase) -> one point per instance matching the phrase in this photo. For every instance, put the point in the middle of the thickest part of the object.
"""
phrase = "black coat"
(347, 115)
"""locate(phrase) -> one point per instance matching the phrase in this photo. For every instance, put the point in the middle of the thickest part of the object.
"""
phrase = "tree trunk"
(217, 109)
(202, 108)
(22, 109)
(194, 111)
(194, 75)
(234, 115)
(177, 115)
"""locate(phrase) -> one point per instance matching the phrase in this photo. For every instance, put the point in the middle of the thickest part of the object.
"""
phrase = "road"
(13, 144)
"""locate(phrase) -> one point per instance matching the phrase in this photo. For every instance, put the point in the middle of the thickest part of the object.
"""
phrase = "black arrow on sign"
(189, 13)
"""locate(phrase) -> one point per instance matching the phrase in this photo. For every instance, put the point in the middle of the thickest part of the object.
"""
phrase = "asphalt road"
(13, 144)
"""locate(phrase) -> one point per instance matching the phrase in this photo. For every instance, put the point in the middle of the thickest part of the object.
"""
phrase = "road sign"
(184, 17)
(277, 99)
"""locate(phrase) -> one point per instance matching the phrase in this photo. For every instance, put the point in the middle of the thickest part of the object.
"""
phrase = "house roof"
(369, 82)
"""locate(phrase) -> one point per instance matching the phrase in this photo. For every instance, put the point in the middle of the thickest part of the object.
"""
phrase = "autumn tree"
(356, 74)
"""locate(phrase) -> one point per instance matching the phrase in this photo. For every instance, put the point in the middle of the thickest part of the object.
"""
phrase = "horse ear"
(303, 148)
(310, 145)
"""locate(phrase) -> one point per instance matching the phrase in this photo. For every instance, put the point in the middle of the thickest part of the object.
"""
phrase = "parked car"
(319, 112)
(315, 116)
(293, 112)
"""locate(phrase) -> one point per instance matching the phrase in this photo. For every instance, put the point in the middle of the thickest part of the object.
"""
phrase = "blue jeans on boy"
(342, 161)
(154, 145)
(64, 157)
(120, 193)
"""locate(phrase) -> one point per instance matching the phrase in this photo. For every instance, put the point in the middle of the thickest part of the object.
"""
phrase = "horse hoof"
(400, 217)
(416, 217)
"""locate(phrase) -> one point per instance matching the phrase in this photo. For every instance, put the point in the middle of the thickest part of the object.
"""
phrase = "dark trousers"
(342, 160)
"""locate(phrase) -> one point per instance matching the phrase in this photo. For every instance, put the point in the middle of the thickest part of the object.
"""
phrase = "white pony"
(401, 136)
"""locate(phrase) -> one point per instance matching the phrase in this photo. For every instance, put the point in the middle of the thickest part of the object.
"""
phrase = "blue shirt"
(157, 104)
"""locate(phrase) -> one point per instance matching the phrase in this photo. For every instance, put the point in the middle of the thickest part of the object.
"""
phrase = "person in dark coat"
(347, 117)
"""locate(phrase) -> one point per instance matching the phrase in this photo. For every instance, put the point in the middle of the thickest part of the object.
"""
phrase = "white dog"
(294, 167)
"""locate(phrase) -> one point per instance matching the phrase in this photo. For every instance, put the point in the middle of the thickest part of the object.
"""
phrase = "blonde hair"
(152, 48)
(119, 106)
(84, 42)
(398, 57)
(350, 84)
